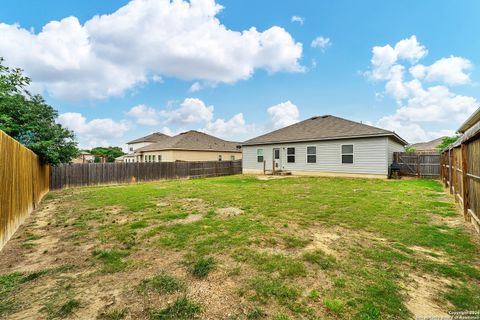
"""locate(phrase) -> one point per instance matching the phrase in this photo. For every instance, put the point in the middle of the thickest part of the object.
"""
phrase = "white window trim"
(347, 154)
(306, 155)
(286, 155)
(256, 155)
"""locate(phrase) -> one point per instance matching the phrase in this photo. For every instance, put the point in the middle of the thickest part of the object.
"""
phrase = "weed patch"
(181, 309)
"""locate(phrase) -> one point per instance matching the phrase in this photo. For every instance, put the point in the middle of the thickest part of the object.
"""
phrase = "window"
(232, 158)
(153, 158)
(311, 154)
(159, 158)
(131, 148)
(259, 155)
(219, 157)
(347, 153)
(291, 155)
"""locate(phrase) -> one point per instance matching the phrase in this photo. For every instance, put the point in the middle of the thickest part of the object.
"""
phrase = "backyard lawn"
(240, 247)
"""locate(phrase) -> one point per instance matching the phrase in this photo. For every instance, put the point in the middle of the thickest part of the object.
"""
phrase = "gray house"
(323, 145)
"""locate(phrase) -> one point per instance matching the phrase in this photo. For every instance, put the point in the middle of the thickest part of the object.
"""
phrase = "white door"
(277, 162)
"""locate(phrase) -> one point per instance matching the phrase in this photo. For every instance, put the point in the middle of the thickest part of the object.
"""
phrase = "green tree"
(446, 141)
(410, 149)
(110, 152)
(31, 121)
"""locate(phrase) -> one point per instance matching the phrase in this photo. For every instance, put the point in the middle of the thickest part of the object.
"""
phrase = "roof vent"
(313, 118)
(326, 116)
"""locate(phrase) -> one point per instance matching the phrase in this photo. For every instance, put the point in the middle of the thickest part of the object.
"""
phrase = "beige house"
(189, 146)
(430, 146)
(140, 143)
(323, 145)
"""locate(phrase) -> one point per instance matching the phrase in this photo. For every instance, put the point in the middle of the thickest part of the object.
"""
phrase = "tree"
(410, 149)
(446, 141)
(31, 121)
(110, 152)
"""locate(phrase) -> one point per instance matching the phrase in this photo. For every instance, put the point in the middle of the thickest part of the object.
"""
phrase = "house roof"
(154, 137)
(470, 122)
(427, 146)
(192, 140)
(325, 127)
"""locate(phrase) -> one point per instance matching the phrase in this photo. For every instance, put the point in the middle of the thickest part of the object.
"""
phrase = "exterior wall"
(393, 146)
(185, 155)
(370, 157)
(136, 146)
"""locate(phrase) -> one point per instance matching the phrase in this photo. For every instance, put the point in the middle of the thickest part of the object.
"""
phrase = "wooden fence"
(460, 173)
(424, 164)
(75, 175)
(23, 183)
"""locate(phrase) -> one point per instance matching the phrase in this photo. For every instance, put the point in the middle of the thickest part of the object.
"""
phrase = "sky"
(117, 70)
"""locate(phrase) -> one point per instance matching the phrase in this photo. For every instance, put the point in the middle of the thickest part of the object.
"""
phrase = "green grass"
(181, 309)
(271, 257)
(112, 260)
(162, 283)
(113, 314)
(202, 266)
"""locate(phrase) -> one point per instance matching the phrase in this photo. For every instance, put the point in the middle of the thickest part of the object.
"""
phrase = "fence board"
(91, 174)
(425, 164)
(23, 183)
(460, 172)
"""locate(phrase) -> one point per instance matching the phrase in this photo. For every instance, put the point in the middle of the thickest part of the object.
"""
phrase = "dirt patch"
(191, 218)
(229, 212)
(195, 205)
(429, 254)
(422, 291)
(325, 242)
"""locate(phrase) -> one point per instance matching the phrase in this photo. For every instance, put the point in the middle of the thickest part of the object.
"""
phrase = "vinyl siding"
(370, 156)
(393, 146)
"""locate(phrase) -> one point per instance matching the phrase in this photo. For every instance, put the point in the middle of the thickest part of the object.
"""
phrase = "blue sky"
(170, 67)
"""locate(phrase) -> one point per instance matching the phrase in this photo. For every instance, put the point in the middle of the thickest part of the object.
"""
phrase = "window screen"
(312, 154)
(259, 155)
(347, 153)
(291, 155)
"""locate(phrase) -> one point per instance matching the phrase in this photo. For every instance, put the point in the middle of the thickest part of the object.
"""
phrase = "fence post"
(450, 170)
(465, 182)
(418, 165)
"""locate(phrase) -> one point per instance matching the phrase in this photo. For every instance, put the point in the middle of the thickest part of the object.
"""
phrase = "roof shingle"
(154, 137)
(192, 140)
(322, 128)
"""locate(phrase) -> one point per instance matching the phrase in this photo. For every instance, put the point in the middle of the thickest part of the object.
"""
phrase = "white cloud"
(421, 106)
(232, 128)
(410, 49)
(144, 115)
(96, 132)
(321, 42)
(112, 53)
(298, 19)
(196, 86)
(282, 115)
(452, 70)
(190, 111)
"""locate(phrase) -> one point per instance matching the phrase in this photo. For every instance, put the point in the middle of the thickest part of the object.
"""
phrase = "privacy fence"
(75, 175)
(23, 183)
(422, 165)
(460, 172)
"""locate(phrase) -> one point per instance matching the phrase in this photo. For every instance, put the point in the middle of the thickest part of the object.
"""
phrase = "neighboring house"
(189, 146)
(323, 145)
(84, 157)
(140, 143)
(430, 146)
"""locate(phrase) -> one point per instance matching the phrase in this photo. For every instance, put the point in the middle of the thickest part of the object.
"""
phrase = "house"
(323, 145)
(139, 143)
(430, 146)
(189, 146)
(84, 157)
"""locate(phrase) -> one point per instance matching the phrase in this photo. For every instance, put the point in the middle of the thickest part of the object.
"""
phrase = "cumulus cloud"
(321, 43)
(298, 19)
(420, 105)
(112, 53)
(96, 132)
(282, 115)
(233, 128)
(144, 115)
(452, 70)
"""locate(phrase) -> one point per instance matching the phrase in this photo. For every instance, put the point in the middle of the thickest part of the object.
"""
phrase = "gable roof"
(427, 146)
(192, 140)
(322, 128)
(154, 137)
